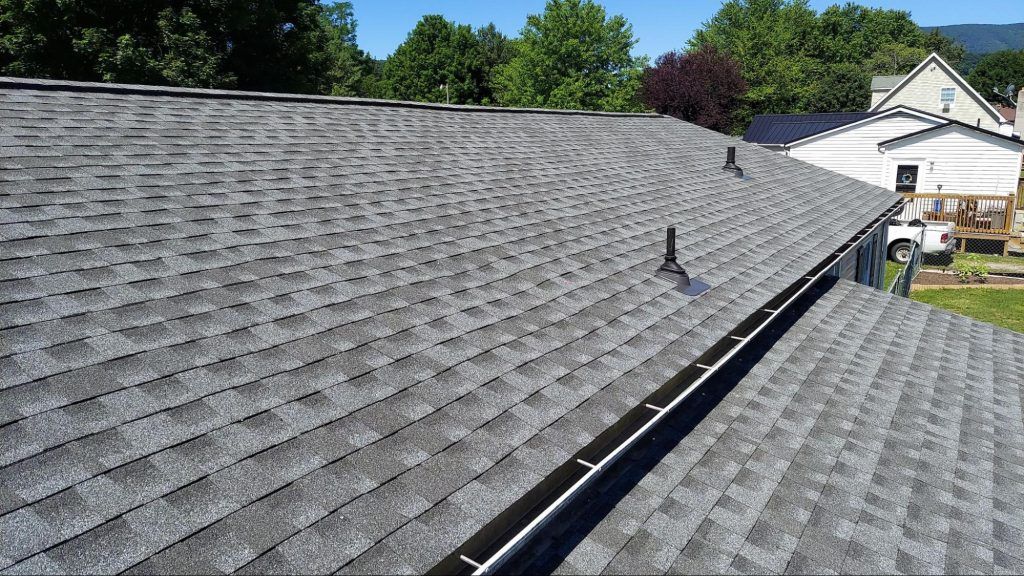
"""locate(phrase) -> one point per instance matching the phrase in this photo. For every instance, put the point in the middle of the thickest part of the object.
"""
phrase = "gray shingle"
(209, 300)
(861, 497)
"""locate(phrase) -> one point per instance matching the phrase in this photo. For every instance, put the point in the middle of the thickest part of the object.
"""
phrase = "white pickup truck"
(937, 238)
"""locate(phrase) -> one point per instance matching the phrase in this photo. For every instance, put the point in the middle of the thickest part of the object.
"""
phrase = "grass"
(1000, 307)
(891, 270)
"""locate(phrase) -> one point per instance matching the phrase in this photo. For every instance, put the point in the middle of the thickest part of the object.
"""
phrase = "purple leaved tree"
(703, 87)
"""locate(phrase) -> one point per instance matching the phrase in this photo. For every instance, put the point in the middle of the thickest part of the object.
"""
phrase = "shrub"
(970, 266)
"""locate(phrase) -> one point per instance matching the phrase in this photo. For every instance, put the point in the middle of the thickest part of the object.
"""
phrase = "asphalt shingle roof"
(886, 82)
(258, 333)
(867, 433)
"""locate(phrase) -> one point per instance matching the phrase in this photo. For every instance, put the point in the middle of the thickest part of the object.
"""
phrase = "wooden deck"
(980, 217)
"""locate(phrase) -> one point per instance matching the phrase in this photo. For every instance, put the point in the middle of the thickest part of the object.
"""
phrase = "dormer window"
(947, 95)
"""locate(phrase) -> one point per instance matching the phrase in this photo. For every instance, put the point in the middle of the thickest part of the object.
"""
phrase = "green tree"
(179, 53)
(496, 50)
(840, 87)
(997, 70)
(115, 41)
(851, 33)
(894, 58)
(275, 45)
(439, 53)
(573, 56)
(350, 71)
(185, 53)
(772, 40)
(798, 61)
(949, 49)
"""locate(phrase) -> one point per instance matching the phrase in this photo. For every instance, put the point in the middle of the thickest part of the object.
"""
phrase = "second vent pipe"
(730, 161)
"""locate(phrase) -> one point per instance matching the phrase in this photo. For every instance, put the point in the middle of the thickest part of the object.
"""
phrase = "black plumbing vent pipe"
(670, 264)
(671, 270)
(730, 161)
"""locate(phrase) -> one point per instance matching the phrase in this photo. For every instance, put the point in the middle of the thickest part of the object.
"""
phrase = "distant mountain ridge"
(985, 38)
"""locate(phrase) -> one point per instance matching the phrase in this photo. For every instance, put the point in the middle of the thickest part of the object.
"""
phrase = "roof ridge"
(806, 114)
(112, 88)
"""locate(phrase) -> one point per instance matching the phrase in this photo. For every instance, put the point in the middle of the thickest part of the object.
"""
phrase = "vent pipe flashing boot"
(671, 270)
(730, 162)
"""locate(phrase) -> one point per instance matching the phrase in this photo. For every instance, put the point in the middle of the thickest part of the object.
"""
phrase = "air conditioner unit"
(945, 107)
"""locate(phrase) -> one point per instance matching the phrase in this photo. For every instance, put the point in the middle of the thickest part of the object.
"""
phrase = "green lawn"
(891, 270)
(1001, 307)
(1006, 263)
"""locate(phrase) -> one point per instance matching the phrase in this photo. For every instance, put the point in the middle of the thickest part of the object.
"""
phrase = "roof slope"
(871, 434)
(781, 129)
(269, 333)
(886, 82)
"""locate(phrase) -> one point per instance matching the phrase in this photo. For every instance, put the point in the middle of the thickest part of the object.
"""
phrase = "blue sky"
(660, 25)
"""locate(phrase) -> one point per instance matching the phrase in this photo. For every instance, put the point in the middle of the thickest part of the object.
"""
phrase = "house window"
(947, 95)
(906, 178)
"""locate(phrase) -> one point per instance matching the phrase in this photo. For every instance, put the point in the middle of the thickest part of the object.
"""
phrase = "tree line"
(751, 57)
(572, 56)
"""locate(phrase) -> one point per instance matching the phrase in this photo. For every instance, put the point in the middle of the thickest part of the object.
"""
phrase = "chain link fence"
(993, 246)
(908, 272)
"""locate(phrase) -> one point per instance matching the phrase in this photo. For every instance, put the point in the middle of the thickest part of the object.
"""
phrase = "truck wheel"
(899, 252)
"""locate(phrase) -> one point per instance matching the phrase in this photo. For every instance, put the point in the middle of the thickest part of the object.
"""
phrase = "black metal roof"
(785, 128)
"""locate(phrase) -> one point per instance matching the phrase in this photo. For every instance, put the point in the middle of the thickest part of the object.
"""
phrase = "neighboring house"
(883, 147)
(258, 333)
(927, 132)
(1018, 121)
(935, 87)
(1008, 113)
(882, 85)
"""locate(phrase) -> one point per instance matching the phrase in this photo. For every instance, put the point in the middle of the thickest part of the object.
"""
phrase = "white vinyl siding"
(963, 161)
(877, 95)
(854, 151)
(1018, 127)
(924, 92)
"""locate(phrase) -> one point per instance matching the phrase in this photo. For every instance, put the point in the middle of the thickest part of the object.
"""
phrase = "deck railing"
(972, 213)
